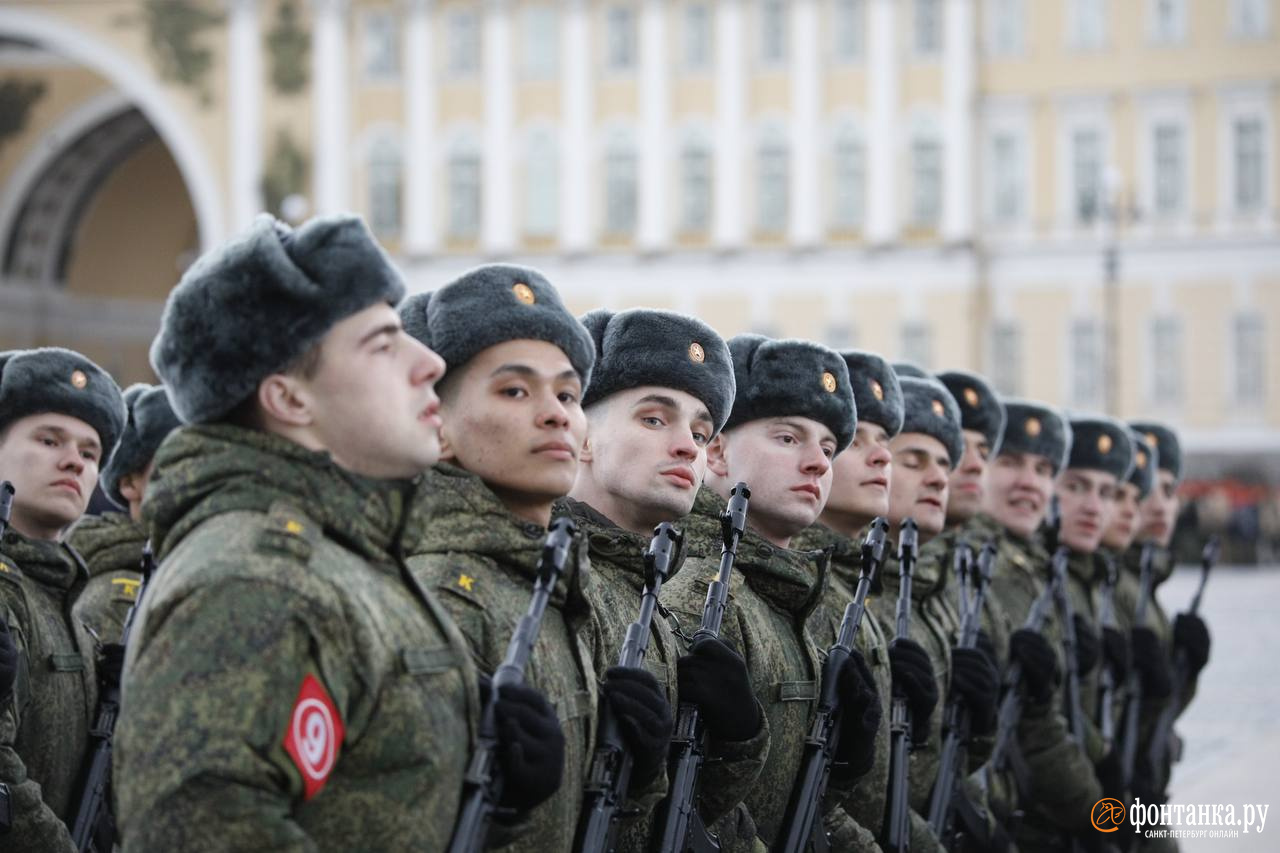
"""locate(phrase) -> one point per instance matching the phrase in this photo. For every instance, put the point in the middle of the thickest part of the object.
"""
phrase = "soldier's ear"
(717, 456)
(585, 455)
(284, 400)
(446, 449)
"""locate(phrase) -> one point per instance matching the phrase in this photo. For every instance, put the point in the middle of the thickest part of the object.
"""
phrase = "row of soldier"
(350, 499)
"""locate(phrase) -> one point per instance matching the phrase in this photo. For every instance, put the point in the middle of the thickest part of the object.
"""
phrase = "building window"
(1005, 26)
(385, 188)
(464, 43)
(381, 46)
(917, 347)
(850, 173)
(926, 182)
(697, 37)
(1249, 19)
(1168, 21)
(773, 32)
(1086, 174)
(1250, 360)
(464, 194)
(849, 30)
(772, 186)
(1166, 361)
(1006, 356)
(1167, 150)
(1087, 365)
(1087, 24)
(542, 186)
(1006, 178)
(1247, 154)
(695, 181)
(541, 42)
(927, 27)
(620, 27)
(620, 188)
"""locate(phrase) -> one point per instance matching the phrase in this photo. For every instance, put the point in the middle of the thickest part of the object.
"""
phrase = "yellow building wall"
(1206, 352)
(1040, 315)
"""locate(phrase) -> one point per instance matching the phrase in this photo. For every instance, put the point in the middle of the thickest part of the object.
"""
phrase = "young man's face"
(645, 457)
(1124, 518)
(786, 462)
(513, 416)
(1019, 487)
(133, 488)
(1086, 502)
(921, 470)
(968, 482)
(860, 482)
(373, 400)
(52, 461)
(1159, 512)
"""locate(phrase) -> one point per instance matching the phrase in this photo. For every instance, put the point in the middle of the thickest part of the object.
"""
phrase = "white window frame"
(847, 132)
(1075, 115)
(541, 199)
(928, 53)
(369, 22)
(460, 65)
(765, 33)
(1154, 34)
(1164, 109)
(1173, 364)
(619, 146)
(706, 62)
(1077, 376)
(615, 62)
(384, 141)
(1005, 368)
(1087, 36)
(772, 139)
(695, 140)
(858, 15)
(996, 14)
(1233, 335)
(1250, 101)
(538, 61)
(1008, 117)
(1236, 17)
(933, 219)
(464, 144)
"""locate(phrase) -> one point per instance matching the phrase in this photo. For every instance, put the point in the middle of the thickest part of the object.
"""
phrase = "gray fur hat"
(149, 421)
(646, 347)
(907, 368)
(980, 408)
(62, 381)
(491, 305)
(876, 391)
(1168, 449)
(929, 408)
(1101, 444)
(254, 305)
(1036, 429)
(777, 378)
(1146, 460)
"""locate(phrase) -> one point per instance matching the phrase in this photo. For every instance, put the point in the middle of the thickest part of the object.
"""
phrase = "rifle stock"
(1133, 686)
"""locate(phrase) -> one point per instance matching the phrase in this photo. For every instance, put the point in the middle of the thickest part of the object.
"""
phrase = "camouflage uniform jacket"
(44, 725)
(772, 593)
(112, 547)
(1084, 576)
(617, 565)
(288, 686)
(481, 561)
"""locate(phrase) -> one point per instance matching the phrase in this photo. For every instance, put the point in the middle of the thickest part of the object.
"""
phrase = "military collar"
(1161, 563)
(48, 562)
(109, 542)
(612, 546)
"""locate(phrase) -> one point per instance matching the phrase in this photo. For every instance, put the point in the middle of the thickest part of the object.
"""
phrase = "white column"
(958, 80)
(653, 232)
(806, 134)
(577, 162)
(244, 105)
(498, 236)
(329, 106)
(420, 123)
(729, 219)
(882, 121)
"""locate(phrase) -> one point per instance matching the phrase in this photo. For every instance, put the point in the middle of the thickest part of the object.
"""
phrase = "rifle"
(1162, 735)
(1133, 710)
(679, 827)
(1107, 678)
(802, 827)
(955, 722)
(1074, 710)
(6, 510)
(93, 829)
(482, 784)
(898, 815)
(605, 790)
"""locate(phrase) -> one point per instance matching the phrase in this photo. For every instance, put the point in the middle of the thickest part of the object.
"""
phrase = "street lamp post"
(1114, 210)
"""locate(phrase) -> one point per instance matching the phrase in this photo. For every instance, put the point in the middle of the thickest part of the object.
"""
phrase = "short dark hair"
(248, 414)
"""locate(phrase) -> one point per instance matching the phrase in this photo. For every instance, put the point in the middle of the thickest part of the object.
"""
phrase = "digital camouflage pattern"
(278, 570)
(44, 726)
(111, 545)
(480, 561)
(617, 563)
(1085, 573)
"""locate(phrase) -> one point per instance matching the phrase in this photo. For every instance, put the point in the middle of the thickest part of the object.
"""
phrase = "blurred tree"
(289, 45)
(17, 97)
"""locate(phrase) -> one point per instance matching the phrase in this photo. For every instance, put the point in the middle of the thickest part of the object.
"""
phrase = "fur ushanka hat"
(150, 420)
(980, 408)
(875, 389)
(929, 408)
(1146, 461)
(1101, 444)
(1168, 449)
(1036, 429)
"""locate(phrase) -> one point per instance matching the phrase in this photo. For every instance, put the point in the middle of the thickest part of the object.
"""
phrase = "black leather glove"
(714, 677)
(860, 714)
(913, 678)
(974, 679)
(1152, 663)
(8, 660)
(983, 644)
(1087, 645)
(1110, 775)
(640, 707)
(1115, 649)
(110, 664)
(530, 745)
(1040, 672)
(1192, 636)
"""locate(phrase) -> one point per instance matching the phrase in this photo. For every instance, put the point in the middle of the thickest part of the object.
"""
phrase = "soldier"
(513, 430)
(112, 543)
(792, 414)
(982, 422)
(288, 684)
(661, 390)
(60, 419)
